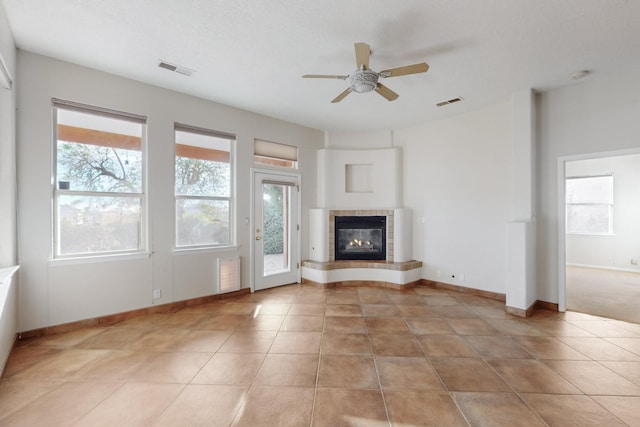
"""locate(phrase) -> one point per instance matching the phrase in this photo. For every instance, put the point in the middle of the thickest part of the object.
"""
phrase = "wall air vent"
(228, 274)
(175, 68)
(449, 101)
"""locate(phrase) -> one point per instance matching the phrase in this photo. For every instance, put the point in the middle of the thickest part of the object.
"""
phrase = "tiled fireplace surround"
(387, 273)
(366, 212)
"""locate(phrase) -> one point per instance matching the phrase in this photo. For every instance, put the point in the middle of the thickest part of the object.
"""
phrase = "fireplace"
(360, 238)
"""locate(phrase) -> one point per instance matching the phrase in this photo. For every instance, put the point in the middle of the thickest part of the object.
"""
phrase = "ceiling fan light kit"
(365, 80)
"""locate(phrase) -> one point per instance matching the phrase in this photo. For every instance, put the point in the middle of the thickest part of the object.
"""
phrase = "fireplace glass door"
(360, 238)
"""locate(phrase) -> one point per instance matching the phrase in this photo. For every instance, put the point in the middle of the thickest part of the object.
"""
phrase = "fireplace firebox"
(360, 238)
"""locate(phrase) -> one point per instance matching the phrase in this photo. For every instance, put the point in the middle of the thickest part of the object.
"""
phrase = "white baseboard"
(605, 267)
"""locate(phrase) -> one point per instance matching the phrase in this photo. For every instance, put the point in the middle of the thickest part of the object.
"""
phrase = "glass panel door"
(276, 254)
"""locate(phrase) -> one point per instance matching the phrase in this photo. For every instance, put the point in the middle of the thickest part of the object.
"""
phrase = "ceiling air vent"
(176, 68)
(449, 101)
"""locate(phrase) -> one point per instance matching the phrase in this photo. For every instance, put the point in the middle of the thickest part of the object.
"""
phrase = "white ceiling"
(251, 54)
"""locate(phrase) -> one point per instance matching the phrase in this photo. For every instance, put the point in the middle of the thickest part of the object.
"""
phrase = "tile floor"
(358, 356)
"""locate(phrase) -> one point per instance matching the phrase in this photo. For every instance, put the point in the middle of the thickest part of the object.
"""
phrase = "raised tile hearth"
(399, 269)
(371, 273)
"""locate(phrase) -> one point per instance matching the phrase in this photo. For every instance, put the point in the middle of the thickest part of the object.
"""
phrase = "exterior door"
(276, 229)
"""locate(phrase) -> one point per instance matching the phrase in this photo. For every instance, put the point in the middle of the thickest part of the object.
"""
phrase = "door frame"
(561, 213)
(298, 254)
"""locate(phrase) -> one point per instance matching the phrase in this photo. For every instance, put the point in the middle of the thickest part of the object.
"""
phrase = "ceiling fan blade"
(386, 92)
(363, 51)
(340, 97)
(324, 76)
(403, 71)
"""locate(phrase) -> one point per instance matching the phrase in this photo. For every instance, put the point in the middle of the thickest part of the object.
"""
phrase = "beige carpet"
(607, 293)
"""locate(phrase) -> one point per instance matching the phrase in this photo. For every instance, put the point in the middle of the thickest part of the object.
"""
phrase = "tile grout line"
(315, 388)
(375, 365)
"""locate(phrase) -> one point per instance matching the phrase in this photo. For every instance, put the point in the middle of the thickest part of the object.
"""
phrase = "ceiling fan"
(365, 80)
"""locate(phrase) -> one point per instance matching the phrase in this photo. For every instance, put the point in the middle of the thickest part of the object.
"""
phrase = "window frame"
(56, 192)
(275, 154)
(609, 205)
(231, 198)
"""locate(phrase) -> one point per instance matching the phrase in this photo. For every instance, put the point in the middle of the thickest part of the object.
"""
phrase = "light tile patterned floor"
(357, 356)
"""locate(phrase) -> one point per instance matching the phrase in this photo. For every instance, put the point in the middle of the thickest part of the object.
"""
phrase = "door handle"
(257, 237)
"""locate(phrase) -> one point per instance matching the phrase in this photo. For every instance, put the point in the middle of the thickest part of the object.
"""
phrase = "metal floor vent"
(176, 68)
(228, 274)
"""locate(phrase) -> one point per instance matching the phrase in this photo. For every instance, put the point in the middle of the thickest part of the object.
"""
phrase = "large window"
(590, 205)
(203, 187)
(99, 181)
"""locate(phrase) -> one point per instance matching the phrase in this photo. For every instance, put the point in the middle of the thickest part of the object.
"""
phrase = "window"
(590, 205)
(203, 187)
(274, 154)
(99, 174)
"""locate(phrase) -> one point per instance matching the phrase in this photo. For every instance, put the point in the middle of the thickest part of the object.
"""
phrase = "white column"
(521, 247)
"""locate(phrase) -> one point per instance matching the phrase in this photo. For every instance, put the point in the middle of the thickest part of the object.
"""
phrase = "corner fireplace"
(360, 238)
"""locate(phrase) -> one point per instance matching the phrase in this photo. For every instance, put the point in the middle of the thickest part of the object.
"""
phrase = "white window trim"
(143, 250)
(224, 247)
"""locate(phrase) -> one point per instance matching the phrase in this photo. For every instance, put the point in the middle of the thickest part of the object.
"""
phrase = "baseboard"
(538, 305)
(112, 319)
(605, 267)
(544, 305)
(469, 291)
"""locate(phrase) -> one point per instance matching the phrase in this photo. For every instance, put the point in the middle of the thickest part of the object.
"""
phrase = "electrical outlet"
(462, 277)
(438, 273)
(157, 293)
(634, 261)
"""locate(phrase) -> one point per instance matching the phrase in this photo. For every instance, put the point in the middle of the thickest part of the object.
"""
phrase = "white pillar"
(521, 247)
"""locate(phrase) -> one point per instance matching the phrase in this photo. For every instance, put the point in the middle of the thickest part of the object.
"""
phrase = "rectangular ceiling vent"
(175, 68)
(449, 101)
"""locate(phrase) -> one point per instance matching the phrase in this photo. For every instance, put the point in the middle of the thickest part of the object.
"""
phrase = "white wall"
(455, 174)
(8, 234)
(614, 251)
(8, 251)
(596, 116)
(359, 140)
(376, 180)
(54, 292)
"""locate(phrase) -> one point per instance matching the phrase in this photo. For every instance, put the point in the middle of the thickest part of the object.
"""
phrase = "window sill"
(204, 250)
(57, 262)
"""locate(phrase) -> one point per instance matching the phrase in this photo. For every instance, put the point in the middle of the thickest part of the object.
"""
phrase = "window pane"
(202, 222)
(203, 165)
(98, 224)
(196, 177)
(96, 153)
(589, 219)
(595, 189)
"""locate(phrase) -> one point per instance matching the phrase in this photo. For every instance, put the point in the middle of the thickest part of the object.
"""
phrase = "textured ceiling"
(251, 54)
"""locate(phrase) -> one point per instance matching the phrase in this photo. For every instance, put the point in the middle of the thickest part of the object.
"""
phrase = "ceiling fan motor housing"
(362, 81)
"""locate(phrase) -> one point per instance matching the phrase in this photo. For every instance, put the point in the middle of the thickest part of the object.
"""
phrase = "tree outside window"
(99, 177)
(203, 174)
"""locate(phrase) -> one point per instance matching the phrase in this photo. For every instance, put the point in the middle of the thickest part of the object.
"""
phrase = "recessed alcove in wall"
(358, 178)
